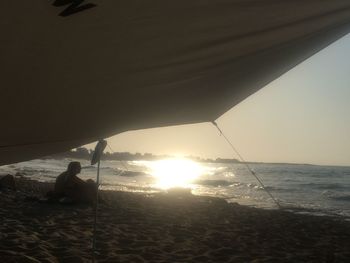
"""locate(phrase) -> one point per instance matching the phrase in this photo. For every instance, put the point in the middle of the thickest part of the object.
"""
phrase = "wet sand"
(162, 228)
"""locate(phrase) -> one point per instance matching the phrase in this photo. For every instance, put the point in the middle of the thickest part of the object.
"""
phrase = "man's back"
(61, 183)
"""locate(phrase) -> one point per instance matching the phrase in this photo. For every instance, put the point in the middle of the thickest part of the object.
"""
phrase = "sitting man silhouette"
(69, 188)
(7, 182)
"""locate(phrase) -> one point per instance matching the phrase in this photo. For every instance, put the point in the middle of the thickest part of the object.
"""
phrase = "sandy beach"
(135, 227)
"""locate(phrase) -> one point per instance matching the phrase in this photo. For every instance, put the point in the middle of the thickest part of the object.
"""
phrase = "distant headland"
(84, 153)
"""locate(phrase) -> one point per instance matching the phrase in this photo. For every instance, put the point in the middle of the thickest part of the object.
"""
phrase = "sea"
(301, 188)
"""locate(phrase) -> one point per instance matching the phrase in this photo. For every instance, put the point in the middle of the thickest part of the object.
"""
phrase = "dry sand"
(163, 228)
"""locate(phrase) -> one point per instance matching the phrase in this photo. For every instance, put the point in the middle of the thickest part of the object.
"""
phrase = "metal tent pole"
(96, 158)
(96, 207)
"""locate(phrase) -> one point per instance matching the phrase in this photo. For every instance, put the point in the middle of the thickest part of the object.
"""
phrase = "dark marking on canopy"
(74, 7)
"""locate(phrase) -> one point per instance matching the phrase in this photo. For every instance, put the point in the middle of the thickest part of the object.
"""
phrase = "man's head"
(74, 168)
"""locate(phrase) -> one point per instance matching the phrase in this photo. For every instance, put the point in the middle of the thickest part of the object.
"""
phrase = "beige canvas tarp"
(130, 64)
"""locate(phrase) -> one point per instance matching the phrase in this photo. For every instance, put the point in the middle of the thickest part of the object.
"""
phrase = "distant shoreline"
(85, 154)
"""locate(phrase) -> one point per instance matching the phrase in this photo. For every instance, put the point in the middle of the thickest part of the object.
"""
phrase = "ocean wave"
(106, 168)
(88, 167)
(330, 186)
(102, 168)
(277, 189)
(33, 171)
(129, 188)
(254, 186)
(216, 183)
(125, 173)
(341, 197)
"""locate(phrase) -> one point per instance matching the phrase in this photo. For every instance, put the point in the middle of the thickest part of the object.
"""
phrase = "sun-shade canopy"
(74, 73)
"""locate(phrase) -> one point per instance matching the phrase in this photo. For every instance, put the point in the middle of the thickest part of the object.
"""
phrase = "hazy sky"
(302, 117)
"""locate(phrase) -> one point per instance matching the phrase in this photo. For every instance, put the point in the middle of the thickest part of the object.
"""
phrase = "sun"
(175, 172)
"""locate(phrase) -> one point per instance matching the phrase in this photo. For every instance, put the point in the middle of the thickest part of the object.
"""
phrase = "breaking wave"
(341, 197)
(216, 183)
(325, 186)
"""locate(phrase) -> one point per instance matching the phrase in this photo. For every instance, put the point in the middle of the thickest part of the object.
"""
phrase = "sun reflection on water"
(175, 172)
